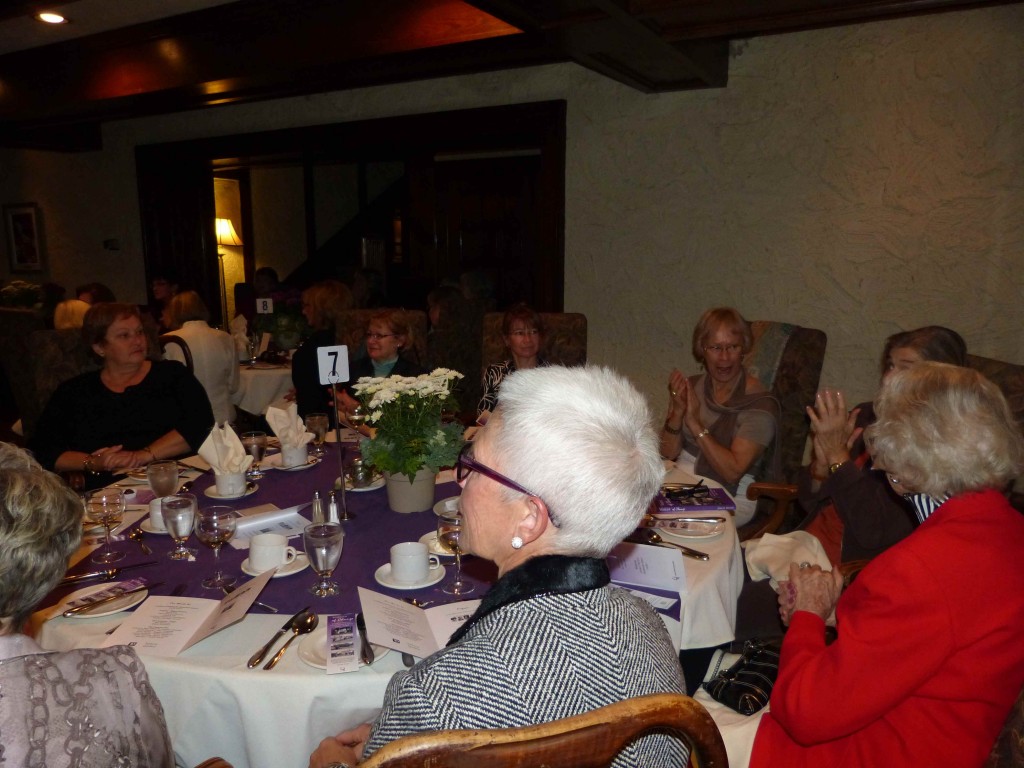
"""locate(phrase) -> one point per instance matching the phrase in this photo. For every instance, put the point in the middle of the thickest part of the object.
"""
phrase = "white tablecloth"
(215, 705)
(259, 387)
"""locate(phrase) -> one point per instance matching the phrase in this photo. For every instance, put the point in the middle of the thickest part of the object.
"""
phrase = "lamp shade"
(226, 234)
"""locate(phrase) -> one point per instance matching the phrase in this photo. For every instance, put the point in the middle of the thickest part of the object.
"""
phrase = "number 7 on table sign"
(333, 364)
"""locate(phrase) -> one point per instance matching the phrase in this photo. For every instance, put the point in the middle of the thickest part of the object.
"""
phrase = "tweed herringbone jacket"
(546, 643)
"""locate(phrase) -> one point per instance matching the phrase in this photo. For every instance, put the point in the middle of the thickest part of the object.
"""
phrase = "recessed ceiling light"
(51, 18)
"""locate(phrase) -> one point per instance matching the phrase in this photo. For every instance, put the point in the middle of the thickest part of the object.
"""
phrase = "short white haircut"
(580, 439)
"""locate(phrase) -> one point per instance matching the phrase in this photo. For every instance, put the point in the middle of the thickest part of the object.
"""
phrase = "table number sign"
(333, 364)
(264, 306)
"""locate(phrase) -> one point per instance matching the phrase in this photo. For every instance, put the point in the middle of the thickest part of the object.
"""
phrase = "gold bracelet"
(672, 430)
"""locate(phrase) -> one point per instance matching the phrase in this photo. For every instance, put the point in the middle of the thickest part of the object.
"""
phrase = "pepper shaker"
(317, 510)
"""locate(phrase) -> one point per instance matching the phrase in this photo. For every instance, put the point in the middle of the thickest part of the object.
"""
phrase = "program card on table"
(419, 631)
(675, 499)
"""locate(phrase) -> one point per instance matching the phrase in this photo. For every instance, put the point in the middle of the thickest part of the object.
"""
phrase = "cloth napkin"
(223, 451)
(288, 426)
(240, 335)
(769, 557)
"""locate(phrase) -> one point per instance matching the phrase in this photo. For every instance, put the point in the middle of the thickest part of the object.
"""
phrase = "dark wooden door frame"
(179, 233)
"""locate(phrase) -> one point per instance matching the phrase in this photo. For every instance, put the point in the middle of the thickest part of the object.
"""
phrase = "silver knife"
(365, 650)
(653, 522)
(110, 573)
(258, 656)
(96, 603)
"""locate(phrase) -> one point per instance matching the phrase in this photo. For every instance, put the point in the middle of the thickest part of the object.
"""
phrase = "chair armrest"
(782, 495)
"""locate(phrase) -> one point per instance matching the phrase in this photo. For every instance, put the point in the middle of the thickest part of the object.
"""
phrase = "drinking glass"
(253, 343)
(357, 416)
(317, 423)
(255, 444)
(179, 512)
(449, 534)
(324, 542)
(106, 507)
(215, 526)
(163, 477)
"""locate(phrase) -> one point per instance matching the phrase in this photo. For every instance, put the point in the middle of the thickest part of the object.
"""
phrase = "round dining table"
(260, 385)
(215, 705)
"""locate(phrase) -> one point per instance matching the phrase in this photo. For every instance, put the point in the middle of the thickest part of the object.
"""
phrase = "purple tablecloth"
(368, 540)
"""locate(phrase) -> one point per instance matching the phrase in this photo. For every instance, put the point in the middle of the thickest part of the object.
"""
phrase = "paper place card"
(644, 565)
(419, 631)
(266, 518)
(115, 589)
(342, 650)
(166, 626)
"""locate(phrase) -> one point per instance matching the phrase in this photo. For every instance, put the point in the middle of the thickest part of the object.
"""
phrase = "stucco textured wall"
(861, 180)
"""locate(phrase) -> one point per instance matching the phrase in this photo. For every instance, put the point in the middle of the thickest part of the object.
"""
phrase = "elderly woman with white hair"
(562, 471)
(930, 648)
(92, 708)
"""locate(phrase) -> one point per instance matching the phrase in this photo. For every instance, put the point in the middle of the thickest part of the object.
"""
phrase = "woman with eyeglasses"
(523, 332)
(389, 335)
(720, 422)
(562, 471)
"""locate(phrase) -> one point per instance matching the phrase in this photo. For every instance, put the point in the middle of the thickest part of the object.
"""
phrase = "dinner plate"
(114, 606)
(378, 483)
(434, 546)
(300, 563)
(147, 527)
(684, 532)
(313, 649)
(383, 577)
(447, 506)
(211, 492)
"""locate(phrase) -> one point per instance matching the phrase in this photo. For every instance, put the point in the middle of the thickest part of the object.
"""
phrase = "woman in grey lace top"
(90, 708)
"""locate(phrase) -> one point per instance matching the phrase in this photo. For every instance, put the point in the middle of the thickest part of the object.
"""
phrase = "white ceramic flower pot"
(415, 496)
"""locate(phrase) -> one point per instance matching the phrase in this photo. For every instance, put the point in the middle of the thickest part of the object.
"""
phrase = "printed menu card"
(408, 628)
(166, 626)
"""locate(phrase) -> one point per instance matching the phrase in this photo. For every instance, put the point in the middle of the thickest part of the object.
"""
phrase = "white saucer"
(114, 606)
(300, 563)
(378, 483)
(692, 532)
(313, 649)
(383, 577)
(274, 462)
(147, 527)
(433, 546)
(212, 493)
(447, 506)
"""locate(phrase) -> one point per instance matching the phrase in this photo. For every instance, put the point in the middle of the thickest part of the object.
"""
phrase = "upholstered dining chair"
(565, 339)
(787, 359)
(350, 328)
(590, 740)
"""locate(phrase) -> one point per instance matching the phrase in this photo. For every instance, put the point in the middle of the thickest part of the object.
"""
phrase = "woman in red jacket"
(930, 652)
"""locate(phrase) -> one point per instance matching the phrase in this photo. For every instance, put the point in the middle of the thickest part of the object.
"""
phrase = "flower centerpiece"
(286, 323)
(411, 443)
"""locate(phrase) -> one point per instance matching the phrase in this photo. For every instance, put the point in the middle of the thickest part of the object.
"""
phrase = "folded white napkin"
(770, 556)
(223, 451)
(240, 335)
(288, 426)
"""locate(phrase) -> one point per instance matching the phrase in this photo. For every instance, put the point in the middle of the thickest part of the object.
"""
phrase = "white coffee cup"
(156, 517)
(410, 562)
(292, 456)
(230, 485)
(269, 550)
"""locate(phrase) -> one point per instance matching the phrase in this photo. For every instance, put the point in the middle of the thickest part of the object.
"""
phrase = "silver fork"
(229, 589)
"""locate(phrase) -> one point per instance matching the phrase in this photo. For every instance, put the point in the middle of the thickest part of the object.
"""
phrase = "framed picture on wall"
(23, 224)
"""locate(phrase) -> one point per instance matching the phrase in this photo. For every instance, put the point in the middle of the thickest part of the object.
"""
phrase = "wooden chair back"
(170, 338)
(590, 740)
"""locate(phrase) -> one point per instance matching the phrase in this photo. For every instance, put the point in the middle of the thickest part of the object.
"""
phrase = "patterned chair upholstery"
(1008, 751)
(456, 345)
(351, 324)
(565, 339)
(787, 359)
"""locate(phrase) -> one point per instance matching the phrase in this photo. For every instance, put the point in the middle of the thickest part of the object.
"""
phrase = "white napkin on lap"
(769, 557)
(240, 335)
(223, 451)
(288, 426)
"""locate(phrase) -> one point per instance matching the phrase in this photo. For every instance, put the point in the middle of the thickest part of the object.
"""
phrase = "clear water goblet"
(106, 507)
(255, 444)
(179, 512)
(323, 543)
(317, 423)
(449, 535)
(162, 477)
(214, 527)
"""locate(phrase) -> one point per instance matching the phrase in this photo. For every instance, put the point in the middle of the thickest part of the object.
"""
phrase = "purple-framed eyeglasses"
(466, 464)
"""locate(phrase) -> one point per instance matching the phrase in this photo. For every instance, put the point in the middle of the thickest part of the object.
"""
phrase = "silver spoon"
(303, 626)
(653, 537)
(137, 536)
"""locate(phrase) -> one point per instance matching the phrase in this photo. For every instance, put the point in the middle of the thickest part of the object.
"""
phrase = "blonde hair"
(328, 299)
(944, 430)
(186, 306)
(711, 321)
(69, 314)
(398, 322)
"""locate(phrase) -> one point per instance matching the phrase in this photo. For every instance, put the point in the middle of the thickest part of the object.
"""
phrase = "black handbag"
(747, 685)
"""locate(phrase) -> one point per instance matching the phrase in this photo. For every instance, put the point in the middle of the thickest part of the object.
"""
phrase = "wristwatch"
(833, 468)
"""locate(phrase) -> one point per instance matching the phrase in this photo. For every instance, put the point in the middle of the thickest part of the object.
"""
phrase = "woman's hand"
(834, 431)
(678, 391)
(809, 589)
(346, 747)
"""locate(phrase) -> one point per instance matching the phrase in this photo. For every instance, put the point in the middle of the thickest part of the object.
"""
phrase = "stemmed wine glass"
(255, 444)
(162, 477)
(214, 527)
(317, 423)
(106, 506)
(449, 533)
(179, 512)
(357, 416)
(253, 348)
(323, 542)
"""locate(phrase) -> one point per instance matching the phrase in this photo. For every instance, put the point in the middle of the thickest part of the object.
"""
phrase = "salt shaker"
(317, 510)
(332, 508)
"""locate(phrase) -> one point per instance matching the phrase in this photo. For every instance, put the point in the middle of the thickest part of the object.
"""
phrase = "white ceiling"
(87, 17)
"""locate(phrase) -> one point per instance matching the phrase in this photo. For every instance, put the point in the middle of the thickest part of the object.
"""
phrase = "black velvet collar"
(544, 575)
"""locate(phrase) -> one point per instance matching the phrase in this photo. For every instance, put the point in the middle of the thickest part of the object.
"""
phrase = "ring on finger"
(804, 564)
